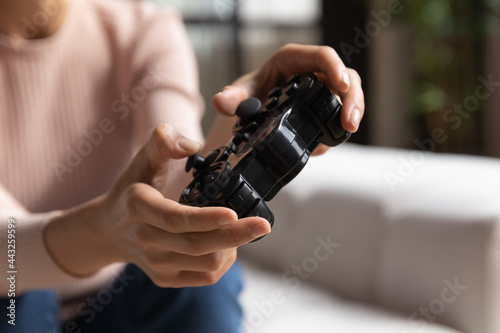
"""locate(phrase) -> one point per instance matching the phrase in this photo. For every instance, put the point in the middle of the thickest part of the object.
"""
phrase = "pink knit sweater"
(74, 108)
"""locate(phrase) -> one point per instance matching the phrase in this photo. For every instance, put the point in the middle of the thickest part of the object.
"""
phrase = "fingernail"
(188, 145)
(223, 91)
(259, 230)
(345, 78)
(355, 118)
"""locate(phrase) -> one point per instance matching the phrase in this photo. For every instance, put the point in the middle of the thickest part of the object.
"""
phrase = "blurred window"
(232, 37)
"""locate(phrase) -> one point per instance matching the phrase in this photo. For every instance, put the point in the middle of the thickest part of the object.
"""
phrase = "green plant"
(448, 40)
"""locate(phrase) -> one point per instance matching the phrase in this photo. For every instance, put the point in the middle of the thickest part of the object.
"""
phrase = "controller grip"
(327, 110)
(245, 201)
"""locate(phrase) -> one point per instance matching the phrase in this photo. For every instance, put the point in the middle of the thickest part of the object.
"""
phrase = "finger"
(353, 104)
(320, 150)
(188, 278)
(164, 144)
(290, 59)
(196, 279)
(294, 58)
(229, 98)
(165, 261)
(150, 206)
(231, 236)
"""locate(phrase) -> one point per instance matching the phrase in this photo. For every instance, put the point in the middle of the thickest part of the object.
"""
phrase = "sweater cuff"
(34, 266)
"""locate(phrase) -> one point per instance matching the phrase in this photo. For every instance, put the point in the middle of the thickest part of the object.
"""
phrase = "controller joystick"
(248, 108)
(195, 161)
(270, 146)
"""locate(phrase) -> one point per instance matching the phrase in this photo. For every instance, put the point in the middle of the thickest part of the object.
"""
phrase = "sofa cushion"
(402, 227)
(271, 306)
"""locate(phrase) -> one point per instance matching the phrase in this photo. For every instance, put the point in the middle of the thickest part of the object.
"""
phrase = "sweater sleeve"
(22, 248)
(165, 65)
(28, 260)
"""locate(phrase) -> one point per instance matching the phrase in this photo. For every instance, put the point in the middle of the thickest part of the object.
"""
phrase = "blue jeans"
(35, 311)
(133, 304)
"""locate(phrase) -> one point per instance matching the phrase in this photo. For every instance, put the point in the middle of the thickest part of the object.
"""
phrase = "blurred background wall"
(430, 68)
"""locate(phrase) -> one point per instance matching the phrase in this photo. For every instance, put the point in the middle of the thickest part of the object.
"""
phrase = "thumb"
(229, 98)
(164, 144)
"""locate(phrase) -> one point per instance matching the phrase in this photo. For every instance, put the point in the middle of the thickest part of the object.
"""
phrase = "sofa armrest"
(411, 231)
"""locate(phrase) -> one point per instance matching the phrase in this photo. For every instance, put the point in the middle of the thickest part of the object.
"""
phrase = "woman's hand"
(174, 244)
(293, 58)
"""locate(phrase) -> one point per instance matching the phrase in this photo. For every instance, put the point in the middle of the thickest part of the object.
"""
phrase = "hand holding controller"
(270, 146)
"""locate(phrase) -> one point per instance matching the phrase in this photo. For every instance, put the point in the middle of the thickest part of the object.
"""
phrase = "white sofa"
(380, 240)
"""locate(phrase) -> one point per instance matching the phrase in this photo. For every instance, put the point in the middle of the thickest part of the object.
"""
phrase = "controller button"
(248, 108)
(238, 138)
(291, 89)
(225, 154)
(272, 103)
(275, 92)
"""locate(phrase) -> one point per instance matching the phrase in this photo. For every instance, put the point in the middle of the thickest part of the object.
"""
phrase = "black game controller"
(270, 146)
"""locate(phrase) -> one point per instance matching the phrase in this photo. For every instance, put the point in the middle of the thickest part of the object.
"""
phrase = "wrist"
(77, 239)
